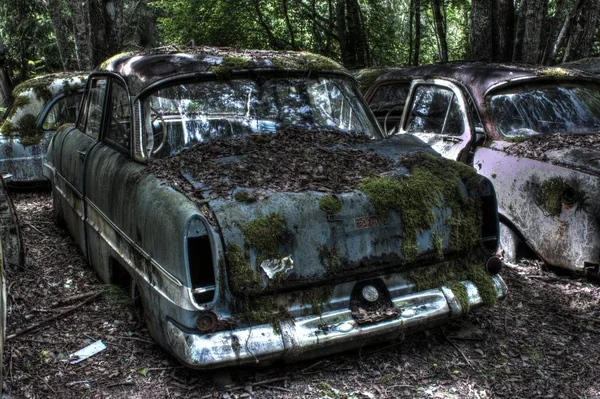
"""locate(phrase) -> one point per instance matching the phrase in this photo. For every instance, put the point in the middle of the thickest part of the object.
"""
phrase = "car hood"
(577, 151)
(389, 206)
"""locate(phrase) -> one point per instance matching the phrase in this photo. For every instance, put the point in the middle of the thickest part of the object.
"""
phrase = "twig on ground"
(459, 351)
(277, 388)
(35, 228)
(55, 317)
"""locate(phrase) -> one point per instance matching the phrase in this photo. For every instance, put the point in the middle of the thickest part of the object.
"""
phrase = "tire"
(510, 244)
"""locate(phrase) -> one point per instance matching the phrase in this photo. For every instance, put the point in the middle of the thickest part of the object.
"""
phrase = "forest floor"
(542, 341)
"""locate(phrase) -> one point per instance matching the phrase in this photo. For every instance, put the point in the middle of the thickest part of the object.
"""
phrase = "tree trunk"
(80, 13)
(440, 30)
(411, 14)
(557, 26)
(417, 19)
(481, 30)
(351, 33)
(531, 18)
(503, 30)
(583, 29)
(288, 24)
(61, 31)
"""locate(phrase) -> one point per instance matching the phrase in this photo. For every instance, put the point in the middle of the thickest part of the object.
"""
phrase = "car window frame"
(83, 113)
(453, 87)
(56, 98)
(116, 79)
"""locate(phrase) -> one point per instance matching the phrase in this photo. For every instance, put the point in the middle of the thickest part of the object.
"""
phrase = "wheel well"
(522, 247)
(120, 277)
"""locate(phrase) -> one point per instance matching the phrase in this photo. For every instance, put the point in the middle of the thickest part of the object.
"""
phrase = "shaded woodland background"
(50, 35)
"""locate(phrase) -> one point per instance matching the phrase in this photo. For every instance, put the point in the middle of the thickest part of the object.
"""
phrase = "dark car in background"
(534, 132)
(39, 106)
(251, 202)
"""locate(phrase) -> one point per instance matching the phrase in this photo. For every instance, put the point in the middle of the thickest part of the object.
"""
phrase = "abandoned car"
(250, 201)
(38, 107)
(533, 132)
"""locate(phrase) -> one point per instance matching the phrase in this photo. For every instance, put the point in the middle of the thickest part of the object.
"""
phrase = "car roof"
(141, 69)
(480, 77)
(52, 83)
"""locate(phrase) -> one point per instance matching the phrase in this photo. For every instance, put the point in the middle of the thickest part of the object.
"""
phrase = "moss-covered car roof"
(45, 86)
(480, 77)
(144, 68)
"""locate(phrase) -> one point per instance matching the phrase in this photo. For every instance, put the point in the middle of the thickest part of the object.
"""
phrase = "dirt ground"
(542, 342)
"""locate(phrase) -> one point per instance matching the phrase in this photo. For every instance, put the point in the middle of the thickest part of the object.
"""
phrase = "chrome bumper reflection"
(317, 335)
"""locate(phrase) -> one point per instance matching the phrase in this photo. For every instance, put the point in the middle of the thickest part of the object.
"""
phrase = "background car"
(38, 107)
(249, 200)
(533, 132)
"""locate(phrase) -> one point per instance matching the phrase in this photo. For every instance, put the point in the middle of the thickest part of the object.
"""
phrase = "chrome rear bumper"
(312, 336)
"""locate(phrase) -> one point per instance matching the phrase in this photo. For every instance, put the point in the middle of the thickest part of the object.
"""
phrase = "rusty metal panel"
(562, 234)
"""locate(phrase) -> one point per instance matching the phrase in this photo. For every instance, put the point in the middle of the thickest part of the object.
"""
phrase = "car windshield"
(550, 108)
(180, 115)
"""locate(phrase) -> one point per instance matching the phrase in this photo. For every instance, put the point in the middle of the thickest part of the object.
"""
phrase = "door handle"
(452, 139)
(82, 153)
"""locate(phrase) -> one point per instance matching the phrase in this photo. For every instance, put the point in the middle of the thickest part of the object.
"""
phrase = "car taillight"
(200, 261)
(489, 208)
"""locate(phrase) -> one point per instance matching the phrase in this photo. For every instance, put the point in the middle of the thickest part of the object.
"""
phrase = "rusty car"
(250, 201)
(39, 105)
(533, 131)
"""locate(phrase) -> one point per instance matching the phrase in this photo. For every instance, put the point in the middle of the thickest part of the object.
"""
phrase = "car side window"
(119, 122)
(63, 111)
(92, 118)
(388, 96)
(435, 109)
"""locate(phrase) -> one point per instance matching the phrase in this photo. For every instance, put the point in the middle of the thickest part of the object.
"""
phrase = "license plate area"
(370, 302)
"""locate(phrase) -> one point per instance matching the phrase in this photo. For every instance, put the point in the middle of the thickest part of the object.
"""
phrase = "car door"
(436, 113)
(75, 147)
(387, 101)
(111, 176)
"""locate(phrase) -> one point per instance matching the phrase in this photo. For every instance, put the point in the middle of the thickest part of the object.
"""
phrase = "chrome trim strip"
(129, 241)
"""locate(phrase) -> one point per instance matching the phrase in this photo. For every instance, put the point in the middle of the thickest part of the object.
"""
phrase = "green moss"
(304, 62)
(438, 245)
(18, 103)
(433, 182)
(330, 260)
(553, 72)
(265, 233)
(244, 196)
(452, 273)
(366, 77)
(318, 298)
(7, 128)
(236, 62)
(42, 92)
(229, 64)
(264, 310)
(330, 204)
(552, 193)
(460, 292)
(243, 280)
(549, 195)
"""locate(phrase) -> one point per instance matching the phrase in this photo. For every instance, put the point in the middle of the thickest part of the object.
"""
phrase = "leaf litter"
(542, 341)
